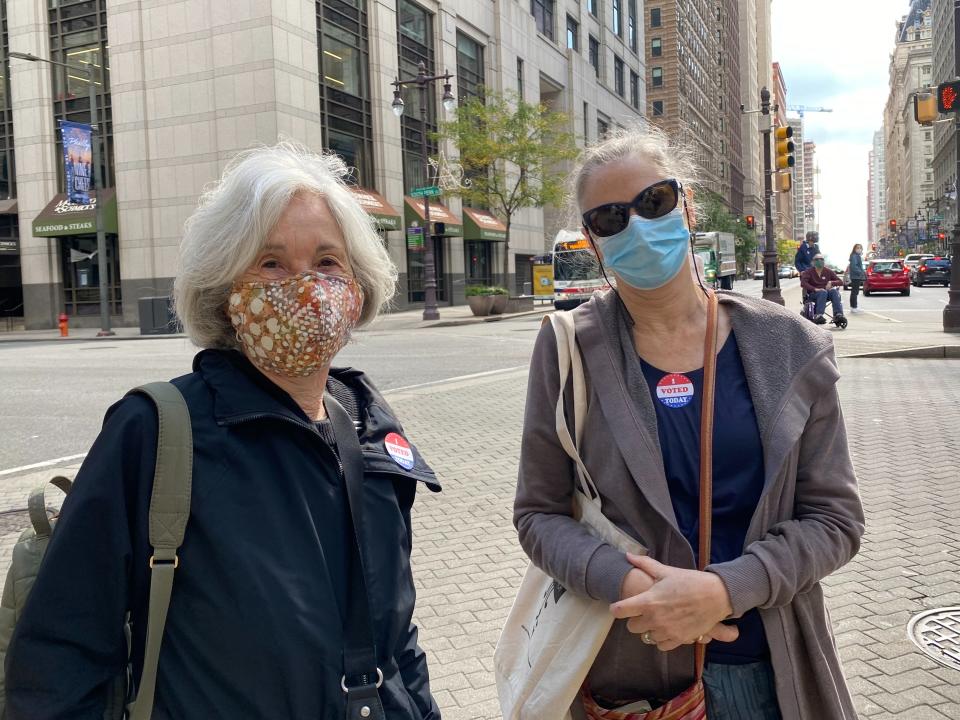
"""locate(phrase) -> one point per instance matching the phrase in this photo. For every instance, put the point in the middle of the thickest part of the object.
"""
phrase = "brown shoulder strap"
(706, 447)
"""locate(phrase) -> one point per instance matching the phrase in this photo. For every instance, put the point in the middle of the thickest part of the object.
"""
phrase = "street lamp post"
(422, 80)
(951, 313)
(94, 176)
(771, 278)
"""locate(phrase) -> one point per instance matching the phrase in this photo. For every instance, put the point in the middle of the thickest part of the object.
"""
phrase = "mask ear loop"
(693, 255)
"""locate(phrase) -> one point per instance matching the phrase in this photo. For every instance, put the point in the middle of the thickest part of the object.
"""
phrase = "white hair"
(229, 228)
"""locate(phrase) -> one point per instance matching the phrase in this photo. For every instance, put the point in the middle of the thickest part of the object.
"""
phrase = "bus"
(576, 272)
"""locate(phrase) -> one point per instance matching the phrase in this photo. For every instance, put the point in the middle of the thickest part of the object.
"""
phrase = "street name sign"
(428, 191)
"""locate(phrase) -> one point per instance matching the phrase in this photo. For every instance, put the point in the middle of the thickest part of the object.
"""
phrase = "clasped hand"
(675, 606)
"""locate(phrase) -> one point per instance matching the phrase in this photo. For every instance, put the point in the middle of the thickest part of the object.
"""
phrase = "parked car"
(913, 259)
(846, 278)
(930, 271)
(758, 274)
(788, 271)
(887, 276)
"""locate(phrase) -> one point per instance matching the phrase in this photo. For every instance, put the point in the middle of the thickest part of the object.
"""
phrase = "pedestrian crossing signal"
(751, 222)
(924, 108)
(948, 96)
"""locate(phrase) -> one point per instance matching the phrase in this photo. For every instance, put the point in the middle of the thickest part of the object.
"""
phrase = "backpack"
(169, 511)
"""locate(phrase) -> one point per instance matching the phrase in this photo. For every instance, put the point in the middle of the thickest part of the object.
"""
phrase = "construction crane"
(804, 109)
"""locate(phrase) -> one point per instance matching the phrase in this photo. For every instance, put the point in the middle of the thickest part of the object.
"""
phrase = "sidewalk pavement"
(468, 564)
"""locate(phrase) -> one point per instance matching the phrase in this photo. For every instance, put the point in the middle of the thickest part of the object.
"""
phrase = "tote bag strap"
(570, 363)
(706, 450)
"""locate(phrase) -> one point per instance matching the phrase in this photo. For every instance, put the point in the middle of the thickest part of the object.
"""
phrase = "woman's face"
(307, 237)
(858, 249)
(619, 181)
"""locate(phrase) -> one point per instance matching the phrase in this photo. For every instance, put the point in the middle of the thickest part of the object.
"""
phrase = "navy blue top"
(737, 473)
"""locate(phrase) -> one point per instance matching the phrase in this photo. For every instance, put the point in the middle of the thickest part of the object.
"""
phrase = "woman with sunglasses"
(785, 510)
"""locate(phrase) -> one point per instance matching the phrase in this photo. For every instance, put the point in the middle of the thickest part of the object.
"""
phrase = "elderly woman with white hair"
(283, 591)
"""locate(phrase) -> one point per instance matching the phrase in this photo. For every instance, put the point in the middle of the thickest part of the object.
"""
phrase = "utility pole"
(771, 278)
(951, 313)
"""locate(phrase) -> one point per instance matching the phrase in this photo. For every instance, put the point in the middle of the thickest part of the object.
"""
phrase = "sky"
(836, 54)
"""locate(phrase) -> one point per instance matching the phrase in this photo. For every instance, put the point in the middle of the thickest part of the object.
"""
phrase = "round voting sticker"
(675, 390)
(399, 450)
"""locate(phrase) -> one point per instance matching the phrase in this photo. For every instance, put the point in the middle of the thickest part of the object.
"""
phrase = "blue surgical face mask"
(647, 254)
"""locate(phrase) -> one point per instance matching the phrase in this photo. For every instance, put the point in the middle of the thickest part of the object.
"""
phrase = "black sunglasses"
(654, 202)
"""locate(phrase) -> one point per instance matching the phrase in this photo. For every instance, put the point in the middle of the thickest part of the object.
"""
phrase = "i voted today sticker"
(399, 449)
(675, 390)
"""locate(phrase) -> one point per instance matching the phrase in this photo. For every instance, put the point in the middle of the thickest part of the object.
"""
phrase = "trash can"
(156, 316)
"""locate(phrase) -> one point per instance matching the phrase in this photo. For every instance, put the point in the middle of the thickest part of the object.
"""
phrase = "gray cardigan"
(807, 524)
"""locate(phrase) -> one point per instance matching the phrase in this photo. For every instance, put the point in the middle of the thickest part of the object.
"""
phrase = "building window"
(618, 75)
(345, 104)
(470, 76)
(415, 45)
(634, 90)
(78, 35)
(603, 127)
(594, 53)
(592, 7)
(657, 108)
(632, 24)
(654, 17)
(657, 75)
(543, 16)
(520, 77)
(573, 34)
(656, 47)
(586, 122)
(8, 175)
(617, 19)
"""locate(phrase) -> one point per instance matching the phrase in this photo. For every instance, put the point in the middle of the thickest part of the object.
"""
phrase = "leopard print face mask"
(295, 327)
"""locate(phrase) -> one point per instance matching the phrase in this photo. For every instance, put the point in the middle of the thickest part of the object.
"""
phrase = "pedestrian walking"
(730, 589)
(280, 594)
(857, 276)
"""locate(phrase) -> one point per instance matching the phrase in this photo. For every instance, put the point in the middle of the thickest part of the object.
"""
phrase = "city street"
(460, 393)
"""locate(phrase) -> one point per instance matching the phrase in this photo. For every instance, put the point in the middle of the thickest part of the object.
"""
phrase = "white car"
(758, 274)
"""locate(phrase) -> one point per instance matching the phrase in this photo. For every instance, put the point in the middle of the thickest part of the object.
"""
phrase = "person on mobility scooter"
(820, 284)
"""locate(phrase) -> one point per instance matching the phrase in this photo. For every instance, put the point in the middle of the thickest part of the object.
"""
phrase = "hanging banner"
(77, 161)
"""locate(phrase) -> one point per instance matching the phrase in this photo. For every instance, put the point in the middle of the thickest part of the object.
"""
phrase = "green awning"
(413, 213)
(481, 225)
(378, 208)
(60, 218)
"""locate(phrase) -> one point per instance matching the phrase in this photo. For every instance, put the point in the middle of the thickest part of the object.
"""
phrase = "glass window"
(573, 34)
(594, 52)
(654, 17)
(617, 20)
(586, 122)
(470, 74)
(657, 75)
(632, 24)
(618, 75)
(520, 77)
(8, 175)
(543, 16)
(603, 127)
(656, 47)
(342, 61)
(658, 107)
(416, 45)
(592, 7)
(634, 90)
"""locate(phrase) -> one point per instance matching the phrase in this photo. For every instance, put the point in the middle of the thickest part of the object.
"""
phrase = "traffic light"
(924, 108)
(784, 181)
(893, 226)
(873, 246)
(785, 148)
(751, 222)
(941, 236)
(948, 96)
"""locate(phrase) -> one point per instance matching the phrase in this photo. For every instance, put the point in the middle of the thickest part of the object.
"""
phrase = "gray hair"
(229, 228)
(642, 142)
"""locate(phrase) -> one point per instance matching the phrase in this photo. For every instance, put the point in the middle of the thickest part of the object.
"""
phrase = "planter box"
(519, 304)
(480, 305)
(499, 304)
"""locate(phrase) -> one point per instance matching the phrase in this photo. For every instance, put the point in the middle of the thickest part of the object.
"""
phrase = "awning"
(60, 218)
(481, 225)
(413, 212)
(8, 207)
(386, 217)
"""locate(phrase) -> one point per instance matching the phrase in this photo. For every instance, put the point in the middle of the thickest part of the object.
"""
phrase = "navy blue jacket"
(255, 624)
(803, 260)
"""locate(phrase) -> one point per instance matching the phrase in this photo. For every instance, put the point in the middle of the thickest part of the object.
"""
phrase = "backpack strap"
(37, 505)
(169, 511)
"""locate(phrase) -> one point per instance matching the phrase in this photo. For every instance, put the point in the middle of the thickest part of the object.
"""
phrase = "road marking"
(45, 463)
(882, 317)
(458, 378)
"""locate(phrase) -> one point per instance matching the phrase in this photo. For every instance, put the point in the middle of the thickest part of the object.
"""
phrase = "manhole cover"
(937, 634)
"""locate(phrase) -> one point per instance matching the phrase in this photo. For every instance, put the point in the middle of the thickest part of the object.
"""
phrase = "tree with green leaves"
(786, 251)
(513, 153)
(713, 216)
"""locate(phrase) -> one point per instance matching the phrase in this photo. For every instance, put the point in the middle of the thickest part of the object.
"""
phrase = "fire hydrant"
(64, 325)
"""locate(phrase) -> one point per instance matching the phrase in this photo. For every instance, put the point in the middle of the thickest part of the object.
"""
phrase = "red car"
(887, 276)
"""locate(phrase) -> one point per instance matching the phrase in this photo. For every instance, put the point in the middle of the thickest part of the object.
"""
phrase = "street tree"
(513, 153)
(713, 216)
(786, 250)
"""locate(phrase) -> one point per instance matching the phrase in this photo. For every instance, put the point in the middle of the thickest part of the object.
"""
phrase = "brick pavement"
(902, 418)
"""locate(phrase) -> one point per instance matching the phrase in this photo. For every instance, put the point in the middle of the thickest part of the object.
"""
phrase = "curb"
(487, 319)
(927, 352)
(92, 338)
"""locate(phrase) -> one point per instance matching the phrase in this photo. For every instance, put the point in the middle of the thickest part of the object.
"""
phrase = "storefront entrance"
(80, 268)
(416, 273)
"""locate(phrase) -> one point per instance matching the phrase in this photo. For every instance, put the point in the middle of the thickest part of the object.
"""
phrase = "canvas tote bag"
(552, 636)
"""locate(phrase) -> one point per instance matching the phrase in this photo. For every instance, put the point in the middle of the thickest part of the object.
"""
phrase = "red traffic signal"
(873, 247)
(751, 222)
(948, 96)
(893, 225)
(941, 236)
